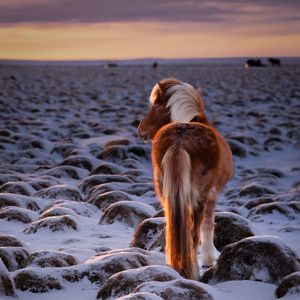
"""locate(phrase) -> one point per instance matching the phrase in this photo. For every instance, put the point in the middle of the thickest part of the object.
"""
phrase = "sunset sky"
(127, 29)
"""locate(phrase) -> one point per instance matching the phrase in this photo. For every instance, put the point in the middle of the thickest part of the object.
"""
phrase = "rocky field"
(78, 214)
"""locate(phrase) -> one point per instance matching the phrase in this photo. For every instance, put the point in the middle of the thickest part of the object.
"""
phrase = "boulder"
(91, 181)
(45, 259)
(290, 210)
(79, 161)
(13, 257)
(256, 190)
(10, 241)
(36, 281)
(230, 228)
(125, 282)
(20, 188)
(127, 212)
(290, 284)
(177, 289)
(8, 199)
(104, 200)
(57, 223)
(63, 191)
(7, 287)
(150, 234)
(265, 259)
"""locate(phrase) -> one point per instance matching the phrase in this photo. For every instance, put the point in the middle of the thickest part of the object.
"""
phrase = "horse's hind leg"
(197, 217)
(207, 230)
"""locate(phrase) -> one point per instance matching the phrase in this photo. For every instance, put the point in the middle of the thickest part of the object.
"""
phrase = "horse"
(191, 164)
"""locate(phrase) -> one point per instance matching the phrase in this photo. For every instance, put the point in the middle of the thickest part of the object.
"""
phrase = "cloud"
(95, 11)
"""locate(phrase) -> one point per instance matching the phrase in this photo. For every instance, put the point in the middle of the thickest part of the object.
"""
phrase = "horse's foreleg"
(207, 230)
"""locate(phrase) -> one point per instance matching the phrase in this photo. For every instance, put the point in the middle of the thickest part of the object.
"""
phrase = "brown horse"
(191, 163)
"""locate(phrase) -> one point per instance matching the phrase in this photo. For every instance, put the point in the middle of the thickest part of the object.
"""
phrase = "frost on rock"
(128, 212)
(37, 280)
(289, 285)
(104, 200)
(230, 228)
(123, 283)
(13, 257)
(177, 290)
(7, 287)
(56, 223)
(260, 258)
(46, 259)
(60, 192)
(150, 234)
(17, 214)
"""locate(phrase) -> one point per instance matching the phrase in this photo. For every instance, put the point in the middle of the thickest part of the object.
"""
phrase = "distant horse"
(275, 62)
(191, 162)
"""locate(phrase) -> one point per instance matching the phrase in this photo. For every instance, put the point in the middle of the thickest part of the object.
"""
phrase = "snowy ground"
(57, 124)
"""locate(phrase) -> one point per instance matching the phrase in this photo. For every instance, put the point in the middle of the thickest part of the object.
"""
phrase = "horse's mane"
(183, 100)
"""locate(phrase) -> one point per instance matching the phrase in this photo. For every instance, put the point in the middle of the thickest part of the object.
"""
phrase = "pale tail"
(177, 193)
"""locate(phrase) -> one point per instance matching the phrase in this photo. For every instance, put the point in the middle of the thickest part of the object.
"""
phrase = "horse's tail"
(177, 194)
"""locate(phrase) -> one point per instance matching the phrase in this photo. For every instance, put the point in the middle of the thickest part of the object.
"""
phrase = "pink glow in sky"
(125, 29)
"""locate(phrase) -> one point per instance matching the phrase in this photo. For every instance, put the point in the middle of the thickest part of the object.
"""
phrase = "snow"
(66, 109)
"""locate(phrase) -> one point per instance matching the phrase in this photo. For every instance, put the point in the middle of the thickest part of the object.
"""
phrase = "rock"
(104, 200)
(139, 151)
(91, 181)
(36, 281)
(289, 197)
(80, 208)
(18, 214)
(57, 211)
(13, 257)
(63, 150)
(8, 199)
(64, 192)
(256, 190)
(244, 139)
(271, 171)
(140, 296)
(58, 223)
(7, 287)
(40, 184)
(108, 168)
(21, 188)
(237, 148)
(125, 282)
(252, 203)
(66, 172)
(124, 142)
(290, 210)
(128, 212)
(10, 241)
(150, 234)
(114, 153)
(289, 285)
(79, 161)
(45, 259)
(137, 189)
(103, 266)
(177, 289)
(265, 259)
(230, 228)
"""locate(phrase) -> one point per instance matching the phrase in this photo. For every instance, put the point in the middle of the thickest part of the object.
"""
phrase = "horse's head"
(171, 101)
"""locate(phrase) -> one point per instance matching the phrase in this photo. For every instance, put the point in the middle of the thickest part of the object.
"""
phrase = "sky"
(129, 29)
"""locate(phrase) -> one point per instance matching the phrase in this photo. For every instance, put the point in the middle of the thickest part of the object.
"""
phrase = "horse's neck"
(200, 119)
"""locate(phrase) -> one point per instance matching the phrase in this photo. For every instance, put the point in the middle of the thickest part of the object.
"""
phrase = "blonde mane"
(184, 102)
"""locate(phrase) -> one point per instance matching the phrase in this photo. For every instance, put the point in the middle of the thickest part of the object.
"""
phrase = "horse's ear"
(160, 85)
